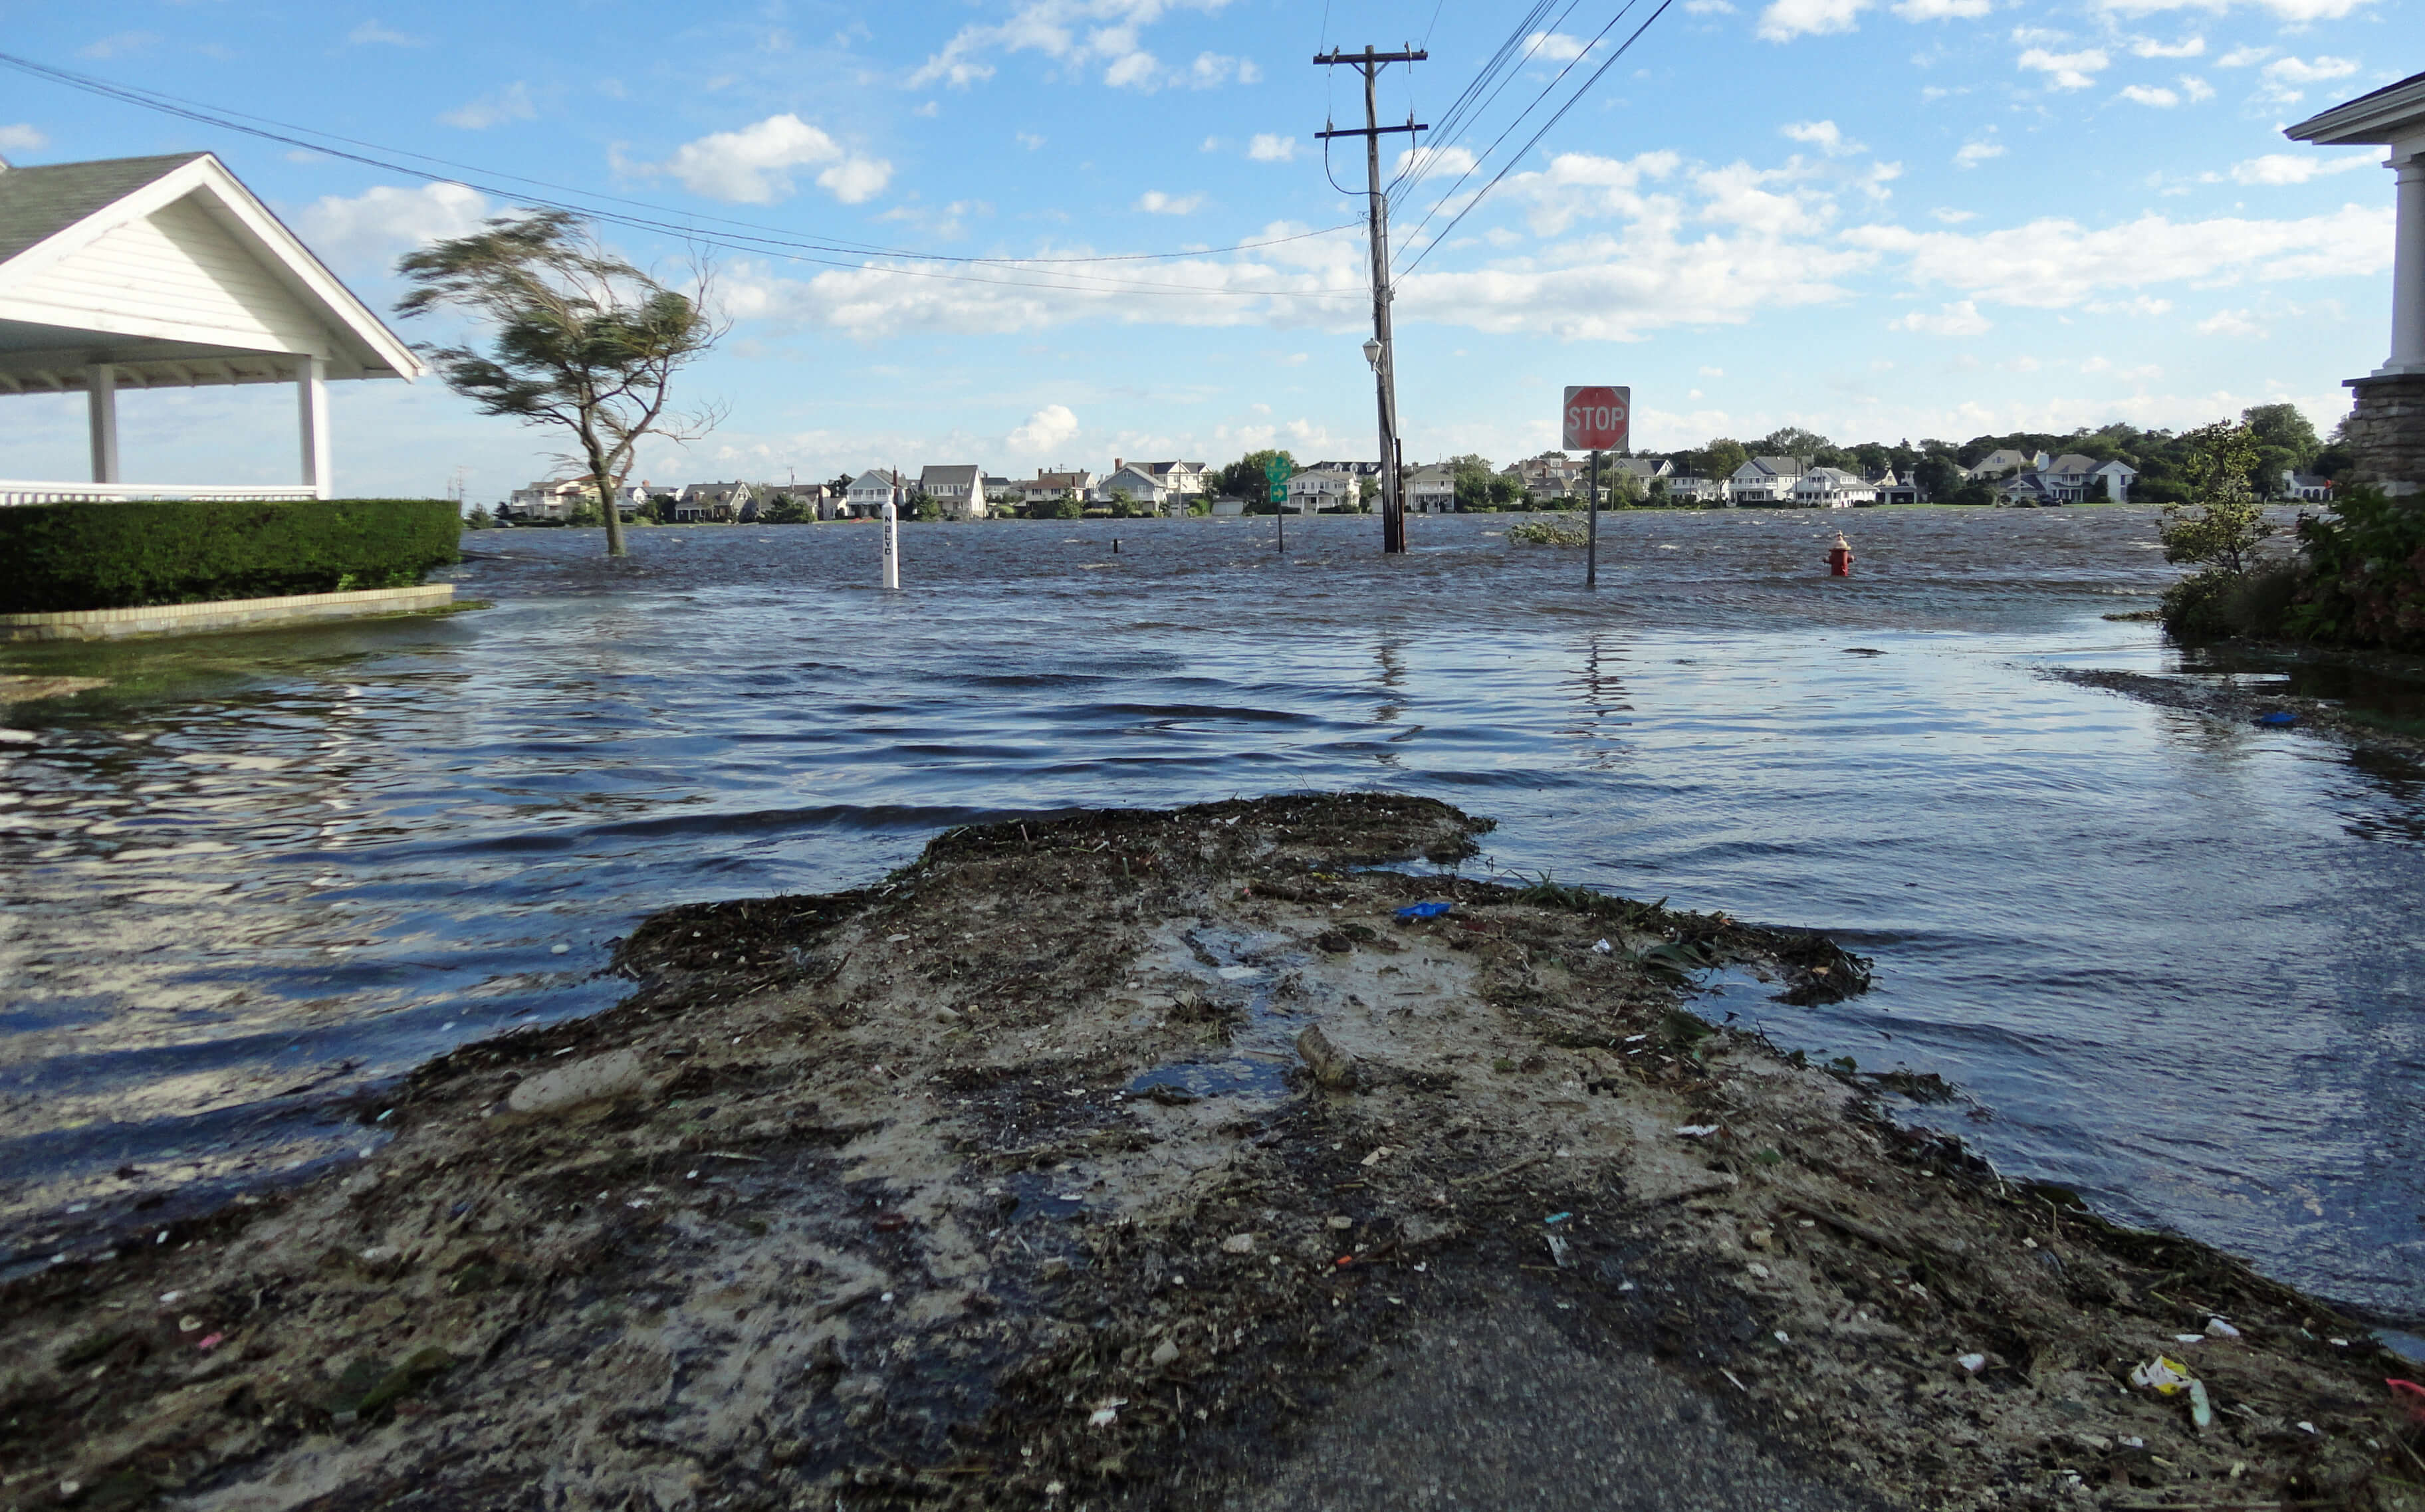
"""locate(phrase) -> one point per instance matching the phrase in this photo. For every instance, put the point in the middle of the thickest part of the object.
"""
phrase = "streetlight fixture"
(1373, 352)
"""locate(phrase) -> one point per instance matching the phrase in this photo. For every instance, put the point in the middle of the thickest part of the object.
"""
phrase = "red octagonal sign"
(1596, 418)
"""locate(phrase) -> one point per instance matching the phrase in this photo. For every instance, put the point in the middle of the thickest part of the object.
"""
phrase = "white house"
(1832, 488)
(1431, 490)
(1683, 485)
(165, 272)
(1766, 480)
(873, 489)
(718, 501)
(2307, 488)
(1131, 482)
(1058, 483)
(1178, 480)
(2004, 462)
(2118, 477)
(557, 498)
(959, 489)
(1897, 488)
(1317, 488)
(1550, 475)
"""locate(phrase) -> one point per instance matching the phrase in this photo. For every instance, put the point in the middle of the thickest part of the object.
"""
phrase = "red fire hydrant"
(1840, 557)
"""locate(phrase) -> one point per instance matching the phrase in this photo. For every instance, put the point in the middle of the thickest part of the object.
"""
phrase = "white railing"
(16, 492)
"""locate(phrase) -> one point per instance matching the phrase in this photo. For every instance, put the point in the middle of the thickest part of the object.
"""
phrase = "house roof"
(1829, 475)
(2117, 465)
(878, 477)
(2384, 115)
(197, 283)
(2072, 462)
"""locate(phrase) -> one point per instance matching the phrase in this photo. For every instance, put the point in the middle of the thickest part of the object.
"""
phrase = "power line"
(1521, 153)
(1470, 104)
(761, 239)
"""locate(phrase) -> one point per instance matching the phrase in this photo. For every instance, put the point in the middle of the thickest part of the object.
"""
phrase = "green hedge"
(61, 556)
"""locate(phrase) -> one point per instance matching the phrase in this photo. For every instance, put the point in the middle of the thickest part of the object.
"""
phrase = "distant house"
(1178, 480)
(1229, 509)
(700, 502)
(1431, 490)
(2307, 488)
(873, 489)
(1131, 482)
(558, 498)
(1681, 486)
(1832, 488)
(1000, 489)
(817, 498)
(1057, 483)
(1766, 480)
(2032, 489)
(2118, 477)
(959, 488)
(1317, 488)
(1646, 470)
(2004, 462)
(1897, 488)
(1550, 475)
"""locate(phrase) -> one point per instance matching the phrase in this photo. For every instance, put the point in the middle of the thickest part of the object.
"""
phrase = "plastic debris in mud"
(1697, 1131)
(2277, 718)
(1424, 910)
(1971, 1363)
(2411, 1395)
(2167, 1376)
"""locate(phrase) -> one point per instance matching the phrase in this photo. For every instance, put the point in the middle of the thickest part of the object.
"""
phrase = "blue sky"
(1878, 218)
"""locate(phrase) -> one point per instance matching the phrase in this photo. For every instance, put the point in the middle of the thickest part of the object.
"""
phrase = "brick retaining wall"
(2386, 431)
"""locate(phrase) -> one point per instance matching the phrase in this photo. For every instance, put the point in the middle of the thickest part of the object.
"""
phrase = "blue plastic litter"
(1557, 1218)
(1424, 911)
(2278, 717)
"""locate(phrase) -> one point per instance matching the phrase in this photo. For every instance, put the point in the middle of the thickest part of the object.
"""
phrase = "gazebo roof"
(2390, 114)
(168, 270)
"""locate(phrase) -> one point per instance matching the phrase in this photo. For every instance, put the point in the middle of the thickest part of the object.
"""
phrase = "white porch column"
(311, 410)
(2408, 262)
(101, 404)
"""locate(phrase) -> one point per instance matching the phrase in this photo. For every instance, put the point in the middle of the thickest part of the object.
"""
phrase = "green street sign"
(1276, 474)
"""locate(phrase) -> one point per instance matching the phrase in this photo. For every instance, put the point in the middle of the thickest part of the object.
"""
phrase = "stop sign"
(1596, 418)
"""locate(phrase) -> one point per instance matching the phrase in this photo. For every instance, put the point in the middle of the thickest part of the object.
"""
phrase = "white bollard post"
(891, 547)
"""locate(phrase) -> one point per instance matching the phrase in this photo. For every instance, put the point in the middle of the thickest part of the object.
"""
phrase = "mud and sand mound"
(1191, 1159)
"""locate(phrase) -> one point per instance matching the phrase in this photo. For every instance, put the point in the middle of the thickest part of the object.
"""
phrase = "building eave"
(2393, 113)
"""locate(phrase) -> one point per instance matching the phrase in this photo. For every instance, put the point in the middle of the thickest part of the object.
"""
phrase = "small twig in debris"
(1508, 1169)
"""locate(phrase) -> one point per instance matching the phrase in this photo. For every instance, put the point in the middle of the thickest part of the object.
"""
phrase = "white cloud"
(512, 102)
(1713, 372)
(1047, 430)
(117, 44)
(372, 34)
(2230, 323)
(1270, 147)
(1974, 153)
(21, 139)
(2299, 70)
(1823, 134)
(1919, 11)
(1030, 140)
(2196, 88)
(2054, 262)
(1960, 318)
(2149, 47)
(1556, 47)
(752, 165)
(1079, 33)
(2066, 71)
(1155, 202)
(2294, 167)
(2243, 56)
(2143, 94)
(371, 229)
(2295, 12)
(1784, 20)
(1953, 217)
(1708, 7)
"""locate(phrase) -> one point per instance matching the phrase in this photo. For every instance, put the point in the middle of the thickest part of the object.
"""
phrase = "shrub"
(2219, 602)
(2364, 584)
(66, 556)
(1547, 532)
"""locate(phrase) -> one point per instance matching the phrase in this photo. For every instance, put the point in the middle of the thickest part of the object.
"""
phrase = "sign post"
(1276, 482)
(1598, 418)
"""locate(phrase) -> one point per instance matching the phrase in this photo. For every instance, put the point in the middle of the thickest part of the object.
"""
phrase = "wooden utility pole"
(1383, 352)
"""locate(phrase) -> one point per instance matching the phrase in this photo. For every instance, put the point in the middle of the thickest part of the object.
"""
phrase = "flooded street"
(2170, 963)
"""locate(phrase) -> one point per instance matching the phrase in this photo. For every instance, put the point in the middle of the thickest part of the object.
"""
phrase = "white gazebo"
(2388, 428)
(165, 272)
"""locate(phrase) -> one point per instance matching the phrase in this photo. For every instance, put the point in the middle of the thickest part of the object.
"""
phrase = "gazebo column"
(2408, 262)
(101, 404)
(312, 413)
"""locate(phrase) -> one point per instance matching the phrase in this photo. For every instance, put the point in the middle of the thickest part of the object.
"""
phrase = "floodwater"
(2173, 965)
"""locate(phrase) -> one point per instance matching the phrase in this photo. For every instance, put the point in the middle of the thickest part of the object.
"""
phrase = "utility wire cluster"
(719, 231)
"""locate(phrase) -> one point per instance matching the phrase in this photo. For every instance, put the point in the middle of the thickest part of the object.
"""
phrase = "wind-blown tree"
(579, 339)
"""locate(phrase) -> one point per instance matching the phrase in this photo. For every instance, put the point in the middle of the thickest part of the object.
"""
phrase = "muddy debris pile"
(1084, 1163)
